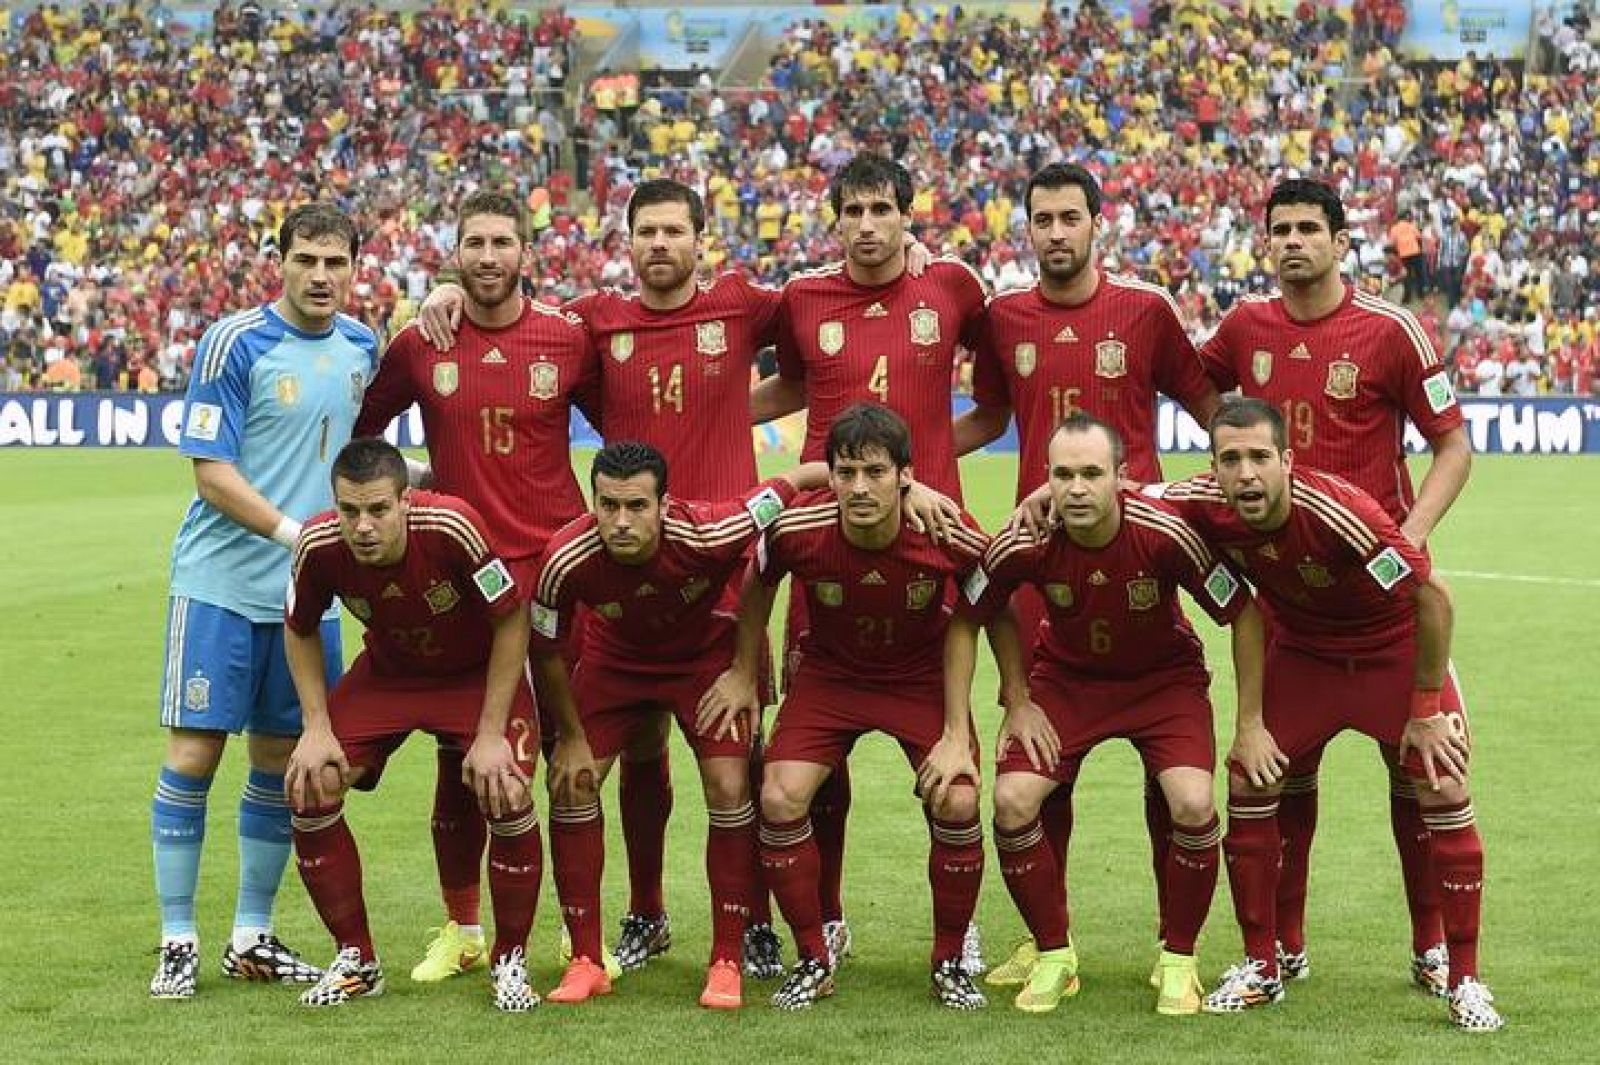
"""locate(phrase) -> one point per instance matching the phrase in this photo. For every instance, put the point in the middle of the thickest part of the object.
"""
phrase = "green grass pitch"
(85, 539)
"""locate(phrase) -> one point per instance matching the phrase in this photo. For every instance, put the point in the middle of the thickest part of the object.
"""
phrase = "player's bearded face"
(1253, 473)
(871, 226)
(491, 256)
(316, 280)
(1302, 248)
(1084, 479)
(628, 512)
(372, 518)
(1062, 231)
(869, 486)
(665, 246)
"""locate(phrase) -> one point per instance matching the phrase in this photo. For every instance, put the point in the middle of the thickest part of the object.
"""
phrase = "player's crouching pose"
(878, 597)
(446, 644)
(1359, 638)
(652, 570)
(1115, 658)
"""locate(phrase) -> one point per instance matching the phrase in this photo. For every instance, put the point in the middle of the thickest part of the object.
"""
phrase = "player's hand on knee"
(931, 512)
(440, 316)
(728, 707)
(1027, 726)
(1256, 756)
(305, 784)
(491, 771)
(572, 775)
(1442, 750)
(949, 761)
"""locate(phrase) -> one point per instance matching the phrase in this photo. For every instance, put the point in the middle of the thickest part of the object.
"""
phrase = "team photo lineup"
(766, 561)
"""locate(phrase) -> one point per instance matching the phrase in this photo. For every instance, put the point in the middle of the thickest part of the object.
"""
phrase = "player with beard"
(496, 407)
(1079, 340)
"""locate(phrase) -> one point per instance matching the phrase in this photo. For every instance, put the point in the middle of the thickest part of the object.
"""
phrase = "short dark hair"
(869, 172)
(629, 458)
(369, 459)
(665, 190)
(1246, 412)
(496, 203)
(312, 220)
(1306, 191)
(1078, 423)
(1061, 176)
(868, 425)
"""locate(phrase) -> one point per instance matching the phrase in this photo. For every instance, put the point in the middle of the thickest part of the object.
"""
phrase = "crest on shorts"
(1110, 358)
(358, 386)
(622, 346)
(1060, 595)
(920, 593)
(612, 611)
(830, 337)
(1027, 357)
(1315, 574)
(1143, 593)
(197, 695)
(925, 326)
(710, 338)
(829, 593)
(544, 380)
(446, 378)
(359, 607)
(1342, 379)
(442, 597)
(288, 389)
(1261, 366)
(696, 588)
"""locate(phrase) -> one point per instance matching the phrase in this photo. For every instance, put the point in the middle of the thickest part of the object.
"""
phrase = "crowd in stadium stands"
(146, 172)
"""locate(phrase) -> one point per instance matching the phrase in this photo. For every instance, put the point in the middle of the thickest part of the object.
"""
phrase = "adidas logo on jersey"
(1299, 351)
(492, 357)
(1098, 578)
(393, 591)
(1067, 336)
(646, 589)
(877, 310)
(873, 577)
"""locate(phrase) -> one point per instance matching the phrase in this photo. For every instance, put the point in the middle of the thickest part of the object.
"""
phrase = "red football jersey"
(1338, 578)
(679, 380)
(429, 615)
(893, 344)
(1346, 384)
(497, 410)
(664, 616)
(876, 617)
(1112, 612)
(1108, 357)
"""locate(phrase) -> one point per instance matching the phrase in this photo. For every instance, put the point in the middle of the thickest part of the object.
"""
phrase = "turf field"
(85, 539)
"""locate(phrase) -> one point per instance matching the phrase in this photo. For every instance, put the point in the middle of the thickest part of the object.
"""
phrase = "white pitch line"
(1522, 578)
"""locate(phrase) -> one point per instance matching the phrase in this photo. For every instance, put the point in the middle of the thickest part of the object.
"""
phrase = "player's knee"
(194, 753)
(959, 803)
(1014, 805)
(271, 753)
(726, 782)
(1191, 807)
(782, 801)
(1239, 787)
(1449, 793)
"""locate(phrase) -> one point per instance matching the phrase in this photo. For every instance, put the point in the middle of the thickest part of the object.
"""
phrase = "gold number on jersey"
(672, 394)
(1063, 403)
(1300, 420)
(878, 384)
(874, 632)
(498, 436)
(416, 641)
(1100, 636)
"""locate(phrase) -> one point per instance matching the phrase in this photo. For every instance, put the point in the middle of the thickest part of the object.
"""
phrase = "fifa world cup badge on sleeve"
(764, 507)
(204, 421)
(1389, 568)
(546, 622)
(1221, 585)
(1441, 397)
(493, 580)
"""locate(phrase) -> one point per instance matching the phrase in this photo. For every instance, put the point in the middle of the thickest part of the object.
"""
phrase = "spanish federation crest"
(1060, 595)
(1027, 357)
(830, 593)
(288, 389)
(925, 326)
(359, 607)
(1261, 366)
(830, 337)
(442, 597)
(697, 587)
(197, 694)
(710, 338)
(920, 593)
(1315, 574)
(1143, 593)
(446, 378)
(622, 346)
(1110, 358)
(1342, 379)
(544, 380)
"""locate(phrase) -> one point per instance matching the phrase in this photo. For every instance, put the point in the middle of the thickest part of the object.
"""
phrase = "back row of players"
(1338, 373)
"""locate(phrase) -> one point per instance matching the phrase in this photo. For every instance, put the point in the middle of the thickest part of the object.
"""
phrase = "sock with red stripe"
(578, 852)
(1028, 866)
(516, 865)
(1191, 881)
(733, 873)
(955, 872)
(1457, 853)
(330, 866)
(791, 865)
